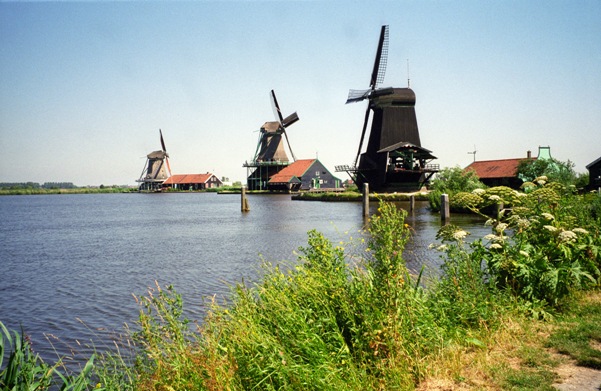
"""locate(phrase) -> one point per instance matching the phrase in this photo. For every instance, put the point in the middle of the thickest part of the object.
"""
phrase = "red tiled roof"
(296, 169)
(188, 178)
(504, 168)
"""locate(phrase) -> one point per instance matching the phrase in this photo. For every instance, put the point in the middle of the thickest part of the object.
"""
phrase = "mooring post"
(411, 203)
(366, 200)
(244, 200)
(445, 211)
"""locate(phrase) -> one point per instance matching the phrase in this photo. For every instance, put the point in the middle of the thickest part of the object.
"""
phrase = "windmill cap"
(400, 96)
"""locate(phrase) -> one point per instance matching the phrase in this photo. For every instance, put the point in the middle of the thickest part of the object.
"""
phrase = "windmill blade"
(168, 165)
(292, 118)
(377, 75)
(162, 141)
(289, 148)
(276, 108)
(357, 95)
(362, 134)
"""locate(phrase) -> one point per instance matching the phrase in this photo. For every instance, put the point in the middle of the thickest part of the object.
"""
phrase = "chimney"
(529, 154)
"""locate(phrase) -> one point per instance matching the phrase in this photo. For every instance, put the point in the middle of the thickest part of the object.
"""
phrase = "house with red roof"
(193, 181)
(304, 174)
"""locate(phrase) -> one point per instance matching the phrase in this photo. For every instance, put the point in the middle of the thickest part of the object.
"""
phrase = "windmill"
(270, 155)
(394, 158)
(155, 170)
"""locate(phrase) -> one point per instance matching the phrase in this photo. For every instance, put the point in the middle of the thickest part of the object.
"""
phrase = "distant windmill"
(473, 152)
(393, 159)
(270, 155)
(154, 173)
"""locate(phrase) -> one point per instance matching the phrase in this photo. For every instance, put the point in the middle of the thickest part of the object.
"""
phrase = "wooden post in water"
(244, 200)
(366, 200)
(411, 203)
(445, 211)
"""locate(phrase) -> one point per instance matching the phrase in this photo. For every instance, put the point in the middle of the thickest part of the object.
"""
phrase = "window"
(317, 173)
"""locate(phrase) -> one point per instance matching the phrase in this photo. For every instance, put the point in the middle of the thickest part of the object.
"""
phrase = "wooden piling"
(366, 200)
(445, 210)
(244, 201)
(411, 203)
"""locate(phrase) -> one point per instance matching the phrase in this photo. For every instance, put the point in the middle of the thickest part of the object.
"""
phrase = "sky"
(86, 86)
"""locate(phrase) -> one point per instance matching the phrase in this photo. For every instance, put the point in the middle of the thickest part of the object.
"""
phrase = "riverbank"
(354, 196)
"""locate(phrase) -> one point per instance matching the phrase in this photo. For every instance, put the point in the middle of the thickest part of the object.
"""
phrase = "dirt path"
(575, 378)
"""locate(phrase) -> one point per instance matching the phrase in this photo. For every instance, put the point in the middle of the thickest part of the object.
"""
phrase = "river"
(69, 264)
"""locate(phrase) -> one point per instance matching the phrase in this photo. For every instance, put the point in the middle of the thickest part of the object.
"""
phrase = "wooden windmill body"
(156, 170)
(394, 159)
(270, 156)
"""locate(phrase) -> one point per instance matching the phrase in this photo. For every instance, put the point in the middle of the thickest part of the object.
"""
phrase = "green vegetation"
(352, 316)
(555, 170)
(452, 181)
(78, 190)
(25, 370)
(355, 196)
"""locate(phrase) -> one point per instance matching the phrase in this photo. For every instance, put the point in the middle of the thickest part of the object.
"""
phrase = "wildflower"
(491, 237)
(495, 246)
(548, 216)
(567, 236)
(494, 197)
(580, 231)
(489, 222)
(501, 227)
(478, 191)
(550, 228)
(524, 253)
(442, 247)
(459, 235)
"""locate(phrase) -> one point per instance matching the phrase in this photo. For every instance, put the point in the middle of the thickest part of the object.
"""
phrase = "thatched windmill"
(156, 169)
(270, 155)
(394, 158)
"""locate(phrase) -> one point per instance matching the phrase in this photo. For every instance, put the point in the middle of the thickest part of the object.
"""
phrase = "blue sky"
(85, 86)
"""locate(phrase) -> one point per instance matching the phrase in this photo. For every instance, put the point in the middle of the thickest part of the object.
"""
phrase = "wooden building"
(193, 181)
(304, 174)
(594, 175)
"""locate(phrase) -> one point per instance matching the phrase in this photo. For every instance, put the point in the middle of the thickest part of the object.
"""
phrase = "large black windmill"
(394, 158)
(270, 155)
(156, 169)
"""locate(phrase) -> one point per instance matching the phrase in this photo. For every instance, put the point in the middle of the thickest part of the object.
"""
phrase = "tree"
(554, 170)
(455, 179)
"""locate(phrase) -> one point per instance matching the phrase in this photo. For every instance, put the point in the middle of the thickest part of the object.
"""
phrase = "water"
(69, 264)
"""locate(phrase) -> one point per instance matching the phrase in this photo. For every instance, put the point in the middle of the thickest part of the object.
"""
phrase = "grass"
(579, 332)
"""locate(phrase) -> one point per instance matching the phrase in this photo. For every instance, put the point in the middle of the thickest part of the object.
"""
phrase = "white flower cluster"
(500, 228)
(494, 238)
(548, 216)
(567, 236)
(459, 235)
(494, 197)
(496, 246)
(478, 191)
(580, 231)
(550, 228)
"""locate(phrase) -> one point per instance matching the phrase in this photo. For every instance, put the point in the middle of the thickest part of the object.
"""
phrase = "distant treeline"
(35, 185)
